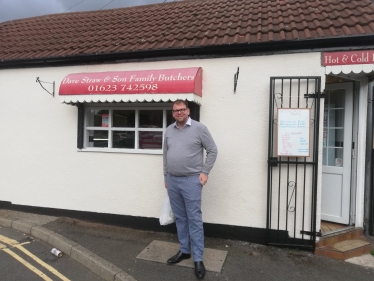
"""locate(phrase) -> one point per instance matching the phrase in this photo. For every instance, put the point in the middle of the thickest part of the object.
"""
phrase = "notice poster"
(104, 120)
(293, 132)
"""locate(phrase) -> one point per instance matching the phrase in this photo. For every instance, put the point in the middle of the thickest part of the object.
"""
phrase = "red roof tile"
(183, 24)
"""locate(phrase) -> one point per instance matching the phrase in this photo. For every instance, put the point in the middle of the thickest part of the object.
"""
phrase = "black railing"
(292, 181)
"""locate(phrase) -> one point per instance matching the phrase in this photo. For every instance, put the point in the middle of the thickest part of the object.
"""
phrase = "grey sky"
(16, 9)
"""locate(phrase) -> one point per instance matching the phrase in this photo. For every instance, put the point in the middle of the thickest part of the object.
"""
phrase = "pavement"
(118, 253)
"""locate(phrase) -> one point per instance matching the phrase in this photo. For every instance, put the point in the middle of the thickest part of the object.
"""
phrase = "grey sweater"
(184, 150)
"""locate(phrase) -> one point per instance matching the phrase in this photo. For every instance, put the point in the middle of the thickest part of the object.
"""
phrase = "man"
(185, 175)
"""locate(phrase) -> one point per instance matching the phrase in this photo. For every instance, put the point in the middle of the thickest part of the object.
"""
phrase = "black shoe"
(199, 269)
(178, 257)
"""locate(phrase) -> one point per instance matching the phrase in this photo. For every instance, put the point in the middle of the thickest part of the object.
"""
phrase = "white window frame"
(137, 107)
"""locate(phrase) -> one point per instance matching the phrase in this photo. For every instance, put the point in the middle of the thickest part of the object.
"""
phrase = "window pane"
(324, 140)
(97, 138)
(150, 140)
(123, 139)
(324, 157)
(336, 118)
(124, 118)
(335, 137)
(336, 98)
(335, 157)
(325, 117)
(98, 118)
(169, 118)
(150, 118)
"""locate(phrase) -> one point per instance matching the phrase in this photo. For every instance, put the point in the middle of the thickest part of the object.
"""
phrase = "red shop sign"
(343, 58)
(161, 81)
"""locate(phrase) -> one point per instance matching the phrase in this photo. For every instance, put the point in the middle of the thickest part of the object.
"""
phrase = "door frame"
(354, 164)
(360, 101)
(359, 137)
(361, 149)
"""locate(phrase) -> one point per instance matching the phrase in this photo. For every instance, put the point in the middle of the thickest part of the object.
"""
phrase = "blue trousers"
(185, 200)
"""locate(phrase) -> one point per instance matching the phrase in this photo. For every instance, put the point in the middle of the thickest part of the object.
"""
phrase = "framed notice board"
(293, 134)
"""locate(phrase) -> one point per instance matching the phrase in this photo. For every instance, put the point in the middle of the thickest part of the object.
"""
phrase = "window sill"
(119, 150)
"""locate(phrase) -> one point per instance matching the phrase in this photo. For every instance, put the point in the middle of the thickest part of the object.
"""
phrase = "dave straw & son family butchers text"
(107, 85)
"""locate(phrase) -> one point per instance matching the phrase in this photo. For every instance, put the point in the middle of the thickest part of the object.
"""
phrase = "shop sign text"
(343, 58)
(183, 80)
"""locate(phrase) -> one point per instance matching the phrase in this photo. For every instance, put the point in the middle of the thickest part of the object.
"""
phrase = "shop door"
(337, 152)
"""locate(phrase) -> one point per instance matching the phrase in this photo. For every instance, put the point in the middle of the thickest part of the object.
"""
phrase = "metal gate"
(292, 181)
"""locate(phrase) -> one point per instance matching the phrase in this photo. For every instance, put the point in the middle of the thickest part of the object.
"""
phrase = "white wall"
(41, 166)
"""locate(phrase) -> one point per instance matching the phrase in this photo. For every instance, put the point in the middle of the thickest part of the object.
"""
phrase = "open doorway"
(337, 153)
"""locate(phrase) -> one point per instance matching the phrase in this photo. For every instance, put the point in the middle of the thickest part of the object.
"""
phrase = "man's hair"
(181, 101)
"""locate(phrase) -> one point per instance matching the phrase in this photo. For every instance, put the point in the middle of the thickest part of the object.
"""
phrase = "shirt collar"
(187, 123)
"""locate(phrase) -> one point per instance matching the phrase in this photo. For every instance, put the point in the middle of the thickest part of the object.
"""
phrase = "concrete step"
(343, 245)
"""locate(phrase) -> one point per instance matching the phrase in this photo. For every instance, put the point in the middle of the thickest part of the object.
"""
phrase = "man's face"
(180, 112)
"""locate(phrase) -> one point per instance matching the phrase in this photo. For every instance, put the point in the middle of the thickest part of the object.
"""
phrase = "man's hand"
(203, 178)
(166, 185)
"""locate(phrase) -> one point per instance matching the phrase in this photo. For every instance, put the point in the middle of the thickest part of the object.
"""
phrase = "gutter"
(308, 45)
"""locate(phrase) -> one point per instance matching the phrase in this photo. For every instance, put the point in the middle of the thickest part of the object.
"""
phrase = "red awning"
(131, 86)
(358, 62)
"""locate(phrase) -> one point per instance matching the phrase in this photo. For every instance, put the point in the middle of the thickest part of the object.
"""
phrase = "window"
(333, 128)
(127, 128)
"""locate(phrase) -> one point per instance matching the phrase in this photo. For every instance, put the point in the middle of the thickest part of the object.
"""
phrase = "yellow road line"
(29, 266)
(8, 241)
(2, 246)
(42, 263)
(15, 244)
